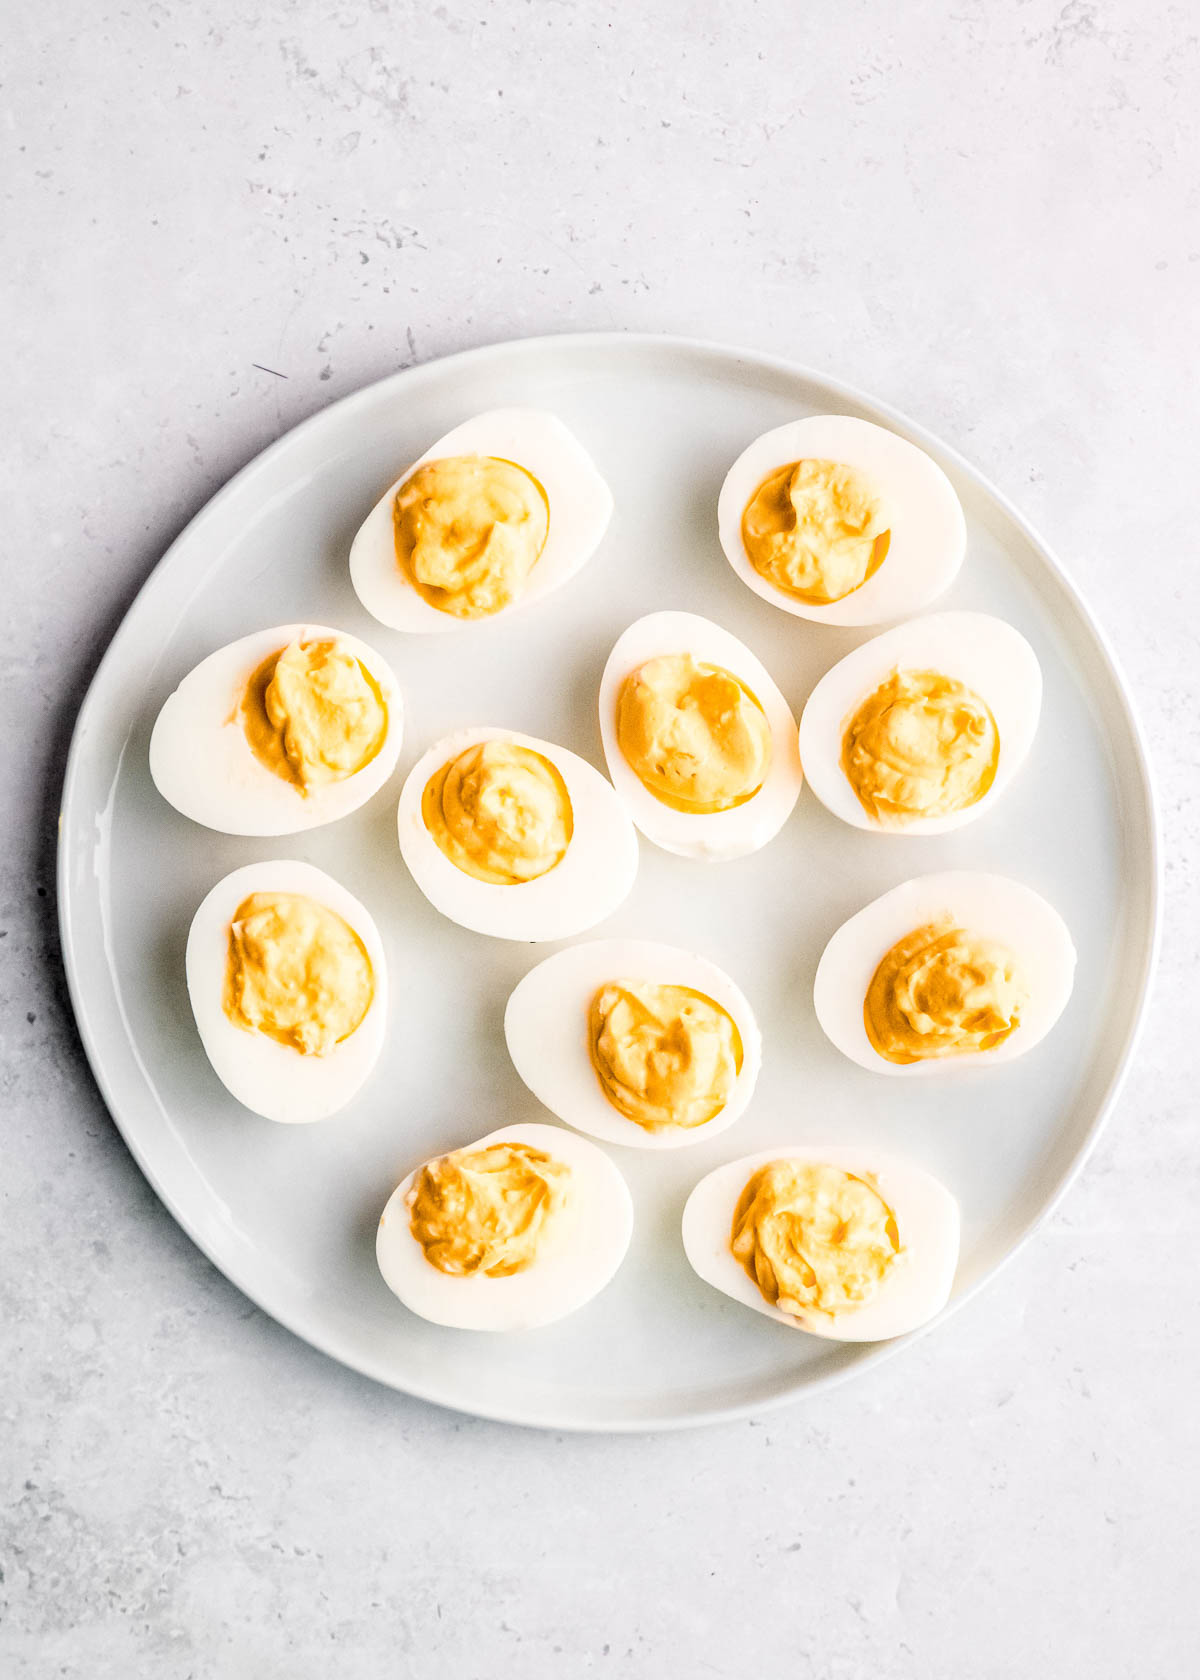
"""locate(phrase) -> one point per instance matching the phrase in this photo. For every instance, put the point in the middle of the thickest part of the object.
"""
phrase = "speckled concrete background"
(986, 212)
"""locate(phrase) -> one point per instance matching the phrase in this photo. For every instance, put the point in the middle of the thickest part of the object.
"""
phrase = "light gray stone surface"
(984, 211)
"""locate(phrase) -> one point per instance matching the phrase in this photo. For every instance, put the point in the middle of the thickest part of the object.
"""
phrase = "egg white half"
(579, 501)
(546, 1028)
(596, 873)
(985, 653)
(273, 1079)
(928, 530)
(201, 762)
(916, 1287)
(990, 906)
(573, 1268)
(719, 835)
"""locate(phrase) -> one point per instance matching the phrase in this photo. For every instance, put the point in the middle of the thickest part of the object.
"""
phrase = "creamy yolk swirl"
(313, 714)
(468, 530)
(490, 1210)
(815, 529)
(665, 1055)
(296, 972)
(942, 991)
(922, 745)
(693, 734)
(813, 1237)
(500, 812)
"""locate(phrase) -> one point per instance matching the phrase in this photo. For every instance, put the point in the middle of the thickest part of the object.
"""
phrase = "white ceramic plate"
(289, 1213)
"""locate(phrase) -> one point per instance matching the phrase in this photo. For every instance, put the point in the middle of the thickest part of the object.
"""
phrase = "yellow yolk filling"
(499, 812)
(816, 530)
(469, 529)
(664, 1055)
(314, 714)
(941, 991)
(814, 1238)
(488, 1211)
(695, 737)
(922, 745)
(296, 972)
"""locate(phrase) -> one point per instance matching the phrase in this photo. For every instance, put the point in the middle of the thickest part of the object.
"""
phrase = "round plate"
(289, 1213)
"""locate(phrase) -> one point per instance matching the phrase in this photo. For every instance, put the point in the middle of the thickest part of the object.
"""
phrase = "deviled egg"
(515, 837)
(284, 730)
(849, 1244)
(921, 729)
(500, 511)
(635, 1042)
(288, 984)
(509, 1233)
(699, 741)
(842, 521)
(948, 971)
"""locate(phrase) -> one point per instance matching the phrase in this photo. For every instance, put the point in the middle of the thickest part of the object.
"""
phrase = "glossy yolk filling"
(941, 991)
(489, 1211)
(922, 745)
(695, 737)
(314, 714)
(816, 530)
(296, 972)
(499, 812)
(469, 529)
(665, 1055)
(814, 1238)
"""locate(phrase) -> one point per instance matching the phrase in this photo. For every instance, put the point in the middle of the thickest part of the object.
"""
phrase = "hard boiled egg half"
(509, 1233)
(284, 730)
(288, 984)
(699, 741)
(949, 971)
(500, 511)
(921, 729)
(635, 1042)
(841, 521)
(515, 837)
(848, 1244)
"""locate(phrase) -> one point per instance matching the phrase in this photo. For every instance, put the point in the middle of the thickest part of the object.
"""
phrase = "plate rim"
(778, 366)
